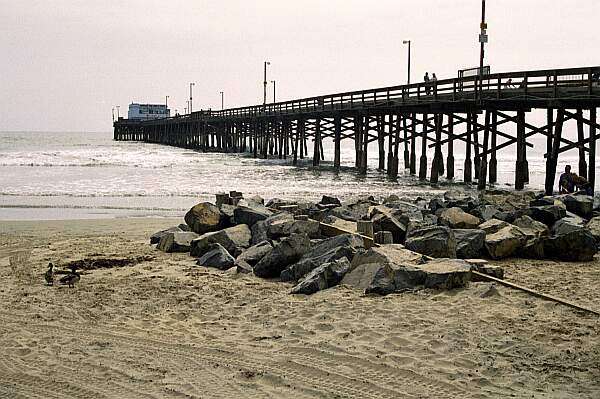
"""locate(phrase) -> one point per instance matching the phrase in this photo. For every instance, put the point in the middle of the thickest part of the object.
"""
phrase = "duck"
(71, 278)
(49, 275)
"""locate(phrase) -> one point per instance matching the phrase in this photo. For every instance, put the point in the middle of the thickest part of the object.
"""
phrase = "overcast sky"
(65, 63)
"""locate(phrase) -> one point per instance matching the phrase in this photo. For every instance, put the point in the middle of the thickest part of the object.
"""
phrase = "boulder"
(576, 245)
(255, 253)
(327, 275)
(531, 228)
(384, 278)
(286, 252)
(327, 200)
(249, 216)
(178, 241)
(184, 227)
(436, 204)
(486, 212)
(203, 218)
(260, 230)
(386, 222)
(436, 241)
(505, 242)
(233, 239)
(594, 227)
(446, 273)
(492, 226)
(456, 218)
(216, 256)
(460, 199)
(543, 201)
(567, 225)
(469, 243)
(242, 267)
(255, 200)
(392, 254)
(548, 214)
(282, 228)
(326, 251)
(155, 238)
(581, 205)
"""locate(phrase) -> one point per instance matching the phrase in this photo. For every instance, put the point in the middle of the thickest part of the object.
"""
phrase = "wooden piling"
(581, 144)
(467, 172)
(493, 165)
(413, 150)
(519, 164)
(423, 159)
(435, 163)
(553, 157)
(337, 141)
(450, 157)
(592, 148)
(481, 182)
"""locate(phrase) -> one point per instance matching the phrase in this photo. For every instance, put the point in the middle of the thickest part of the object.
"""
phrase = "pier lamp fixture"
(408, 42)
(191, 85)
(113, 113)
(273, 91)
(222, 102)
(265, 83)
(166, 101)
(118, 114)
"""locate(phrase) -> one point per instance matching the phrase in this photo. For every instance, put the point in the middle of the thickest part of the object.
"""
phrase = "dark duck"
(71, 278)
(49, 275)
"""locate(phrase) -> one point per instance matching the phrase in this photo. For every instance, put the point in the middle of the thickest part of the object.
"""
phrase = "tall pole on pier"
(265, 83)
(222, 102)
(166, 101)
(273, 91)
(482, 40)
(113, 114)
(118, 114)
(408, 42)
(191, 85)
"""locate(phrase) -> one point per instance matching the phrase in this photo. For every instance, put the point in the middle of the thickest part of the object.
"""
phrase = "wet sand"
(163, 327)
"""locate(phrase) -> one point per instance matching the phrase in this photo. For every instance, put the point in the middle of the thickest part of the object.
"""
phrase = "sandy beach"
(159, 326)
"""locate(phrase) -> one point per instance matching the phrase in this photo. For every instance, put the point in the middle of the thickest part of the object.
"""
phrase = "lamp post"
(191, 85)
(408, 42)
(222, 102)
(166, 106)
(482, 40)
(274, 83)
(265, 83)
(118, 114)
(187, 107)
(113, 113)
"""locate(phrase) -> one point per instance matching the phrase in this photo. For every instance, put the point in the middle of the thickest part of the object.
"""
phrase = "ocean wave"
(136, 208)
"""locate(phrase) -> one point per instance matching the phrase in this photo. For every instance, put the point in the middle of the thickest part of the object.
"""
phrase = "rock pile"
(316, 245)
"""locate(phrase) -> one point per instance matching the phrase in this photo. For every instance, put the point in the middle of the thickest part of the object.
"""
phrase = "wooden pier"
(477, 112)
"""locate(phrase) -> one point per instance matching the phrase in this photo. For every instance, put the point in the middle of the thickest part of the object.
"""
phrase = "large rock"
(288, 251)
(384, 278)
(548, 214)
(469, 243)
(203, 218)
(576, 245)
(178, 241)
(260, 230)
(594, 227)
(460, 199)
(216, 256)
(386, 222)
(326, 251)
(155, 238)
(327, 275)
(505, 242)
(456, 218)
(249, 216)
(446, 273)
(492, 226)
(392, 254)
(567, 225)
(437, 241)
(328, 200)
(255, 253)
(581, 205)
(486, 212)
(282, 228)
(531, 227)
(233, 239)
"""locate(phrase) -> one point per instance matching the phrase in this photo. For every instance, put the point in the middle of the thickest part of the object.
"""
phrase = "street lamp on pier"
(273, 91)
(191, 85)
(408, 42)
(265, 83)
(113, 113)
(118, 114)
(222, 102)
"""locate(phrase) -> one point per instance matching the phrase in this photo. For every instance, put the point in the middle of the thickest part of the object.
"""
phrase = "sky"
(66, 64)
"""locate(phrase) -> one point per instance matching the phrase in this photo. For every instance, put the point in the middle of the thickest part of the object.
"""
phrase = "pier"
(487, 113)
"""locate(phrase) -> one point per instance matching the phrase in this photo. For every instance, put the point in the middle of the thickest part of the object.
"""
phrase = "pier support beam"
(468, 177)
(476, 159)
(437, 157)
(482, 178)
(413, 138)
(581, 141)
(450, 158)
(592, 163)
(317, 143)
(337, 142)
(553, 157)
(406, 152)
(423, 159)
(493, 161)
(380, 120)
(520, 163)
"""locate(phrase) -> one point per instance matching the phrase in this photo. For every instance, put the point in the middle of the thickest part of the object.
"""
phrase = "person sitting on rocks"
(582, 184)
(565, 182)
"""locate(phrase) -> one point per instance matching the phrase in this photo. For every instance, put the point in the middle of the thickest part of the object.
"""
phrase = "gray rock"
(594, 227)
(155, 238)
(486, 212)
(203, 218)
(581, 205)
(288, 251)
(384, 278)
(505, 242)
(391, 254)
(548, 214)
(456, 218)
(184, 227)
(446, 273)
(567, 225)
(325, 276)
(326, 251)
(384, 221)
(461, 200)
(469, 243)
(438, 242)
(243, 267)
(249, 216)
(255, 253)
(282, 228)
(492, 226)
(531, 228)
(577, 245)
(328, 200)
(255, 200)
(178, 241)
(260, 230)
(233, 239)
(216, 256)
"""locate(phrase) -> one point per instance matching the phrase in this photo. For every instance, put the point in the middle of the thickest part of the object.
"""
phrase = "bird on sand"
(49, 275)
(71, 278)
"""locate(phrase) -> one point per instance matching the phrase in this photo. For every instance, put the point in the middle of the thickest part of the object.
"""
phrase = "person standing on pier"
(426, 80)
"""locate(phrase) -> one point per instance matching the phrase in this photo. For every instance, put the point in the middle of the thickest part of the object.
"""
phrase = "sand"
(163, 327)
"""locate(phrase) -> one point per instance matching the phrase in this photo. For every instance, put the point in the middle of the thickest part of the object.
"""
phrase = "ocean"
(78, 175)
